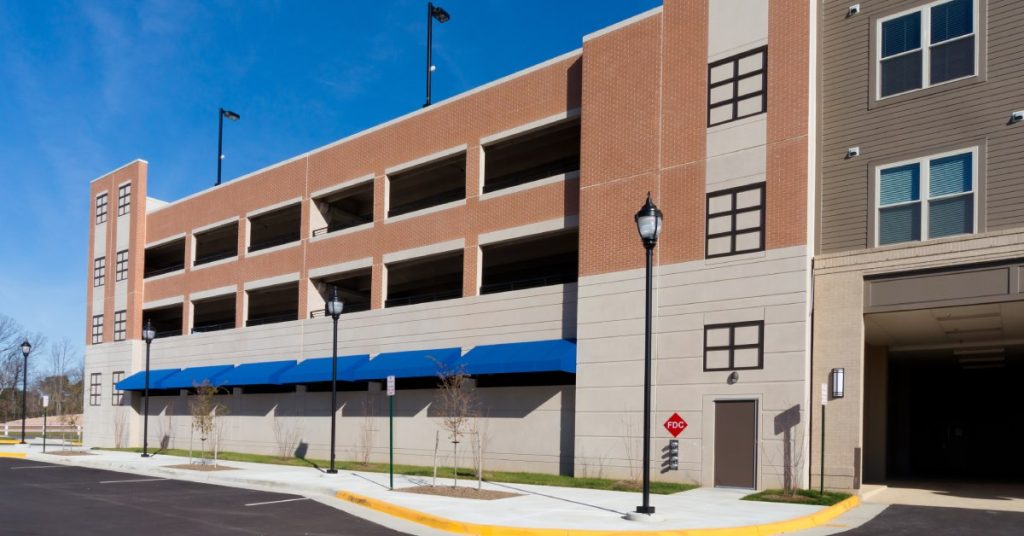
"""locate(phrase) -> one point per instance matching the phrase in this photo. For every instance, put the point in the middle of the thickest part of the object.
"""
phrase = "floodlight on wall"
(854, 9)
(838, 382)
(853, 152)
(1017, 117)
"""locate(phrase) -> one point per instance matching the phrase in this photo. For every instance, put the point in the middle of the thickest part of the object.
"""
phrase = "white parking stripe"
(281, 501)
(136, 480)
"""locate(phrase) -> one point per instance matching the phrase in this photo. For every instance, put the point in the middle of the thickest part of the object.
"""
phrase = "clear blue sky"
(86, 87)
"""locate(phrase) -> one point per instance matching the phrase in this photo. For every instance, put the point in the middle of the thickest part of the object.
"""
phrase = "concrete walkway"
(951, 494)
(537, 507)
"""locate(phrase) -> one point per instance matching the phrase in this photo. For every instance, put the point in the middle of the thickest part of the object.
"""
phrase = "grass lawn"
(663, 488)
(802, 496)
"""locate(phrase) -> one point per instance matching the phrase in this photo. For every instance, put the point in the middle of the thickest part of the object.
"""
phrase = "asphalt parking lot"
(44, 499)
(901, 520)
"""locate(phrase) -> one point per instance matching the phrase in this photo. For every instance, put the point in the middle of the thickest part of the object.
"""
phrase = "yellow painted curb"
(8, 441)
(12, 454)
(474, 529)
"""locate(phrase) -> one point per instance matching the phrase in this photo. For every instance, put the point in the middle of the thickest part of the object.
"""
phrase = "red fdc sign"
(675, 425)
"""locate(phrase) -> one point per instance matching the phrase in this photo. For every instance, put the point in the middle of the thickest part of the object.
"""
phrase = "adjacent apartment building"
(918, 281)
(494, 232)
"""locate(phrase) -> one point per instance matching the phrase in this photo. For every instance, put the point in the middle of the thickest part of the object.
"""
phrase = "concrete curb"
(461, 527)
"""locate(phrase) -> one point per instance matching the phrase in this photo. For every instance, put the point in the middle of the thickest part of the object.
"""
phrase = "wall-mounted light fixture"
(853, 152)
(854, 9)
(838, 382)
(1017, 117)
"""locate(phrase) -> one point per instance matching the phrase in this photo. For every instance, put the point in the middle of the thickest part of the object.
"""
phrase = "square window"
(120, 325)
(95, 388)
(738, 86)
(735, 346)
(121, 266)
(97, 329)
(926, 198)
(99, 271)
(124, 199)
(101, 208)
(929, 45)
(116, 395)
(735, 221)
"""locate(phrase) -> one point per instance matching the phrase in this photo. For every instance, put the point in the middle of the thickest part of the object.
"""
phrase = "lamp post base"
(642, 517)
(331, 471)
(645, 510)
(144, 455)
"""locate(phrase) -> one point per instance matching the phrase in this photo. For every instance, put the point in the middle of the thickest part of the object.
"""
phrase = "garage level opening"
(435, 183)
(166, 320)
(347, 208)
(535, 261)
(274, 228)
(213, 314)
(354, 289)
(425, 279)
(268, 305)
(216, 244)
(545, 152)
(165, 258)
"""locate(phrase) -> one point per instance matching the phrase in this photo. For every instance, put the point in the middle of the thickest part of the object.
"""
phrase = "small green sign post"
(391, 432)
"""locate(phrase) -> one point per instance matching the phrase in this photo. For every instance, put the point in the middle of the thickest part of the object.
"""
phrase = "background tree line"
(54, 369)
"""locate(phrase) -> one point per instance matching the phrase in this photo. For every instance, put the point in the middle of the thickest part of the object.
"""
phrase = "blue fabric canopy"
(521, 357)
(137, 381)
(266, 373)
(411, 364)
(194, 376)
(319, 369)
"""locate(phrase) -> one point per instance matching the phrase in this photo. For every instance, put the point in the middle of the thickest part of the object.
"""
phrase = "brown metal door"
(736, 443)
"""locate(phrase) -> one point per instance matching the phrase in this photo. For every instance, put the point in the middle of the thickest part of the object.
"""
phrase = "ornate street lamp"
(26, 347)
(148, 334)
(648, 224)
(333, 307)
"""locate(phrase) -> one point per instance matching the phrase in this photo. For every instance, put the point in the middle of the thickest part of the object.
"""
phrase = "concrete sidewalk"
(538, 509)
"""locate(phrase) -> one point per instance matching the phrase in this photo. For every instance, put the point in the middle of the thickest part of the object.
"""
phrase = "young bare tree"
(459, 407)
(286, 433)
(120, 428)
(205, 410)
(367, 428)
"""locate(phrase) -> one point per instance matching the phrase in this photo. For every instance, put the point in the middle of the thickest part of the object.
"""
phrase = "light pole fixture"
(26, 348)
(648, 224)
(333, 307)
(148, 334)
(838, 382)
(220, 136)
(442, 16)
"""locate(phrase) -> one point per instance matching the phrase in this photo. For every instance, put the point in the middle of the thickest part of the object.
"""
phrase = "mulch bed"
(461, 493)
(201, 467)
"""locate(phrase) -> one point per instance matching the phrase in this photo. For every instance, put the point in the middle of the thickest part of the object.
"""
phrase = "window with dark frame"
(99, 271)
(735, 221)
(738, 86)
(121, 266)
(120, 325)
(124, 199)
(97, 329)
(101, 208)
(95, 388)
(116, 395)
(735, 346)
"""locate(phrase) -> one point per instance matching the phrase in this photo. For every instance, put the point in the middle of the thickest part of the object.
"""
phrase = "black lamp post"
(333, 307)
(26, 347)
(442, 16)
(220, 136)
(648, 223)
(148, 334)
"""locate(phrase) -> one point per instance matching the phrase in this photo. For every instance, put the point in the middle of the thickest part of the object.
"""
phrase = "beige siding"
(944, 117)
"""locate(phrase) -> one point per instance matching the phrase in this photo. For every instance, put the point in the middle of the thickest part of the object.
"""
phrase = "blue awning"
(137, 381)
(412, 364)
(266, 373)
(193, 376)
(319, 369)
(521, 357)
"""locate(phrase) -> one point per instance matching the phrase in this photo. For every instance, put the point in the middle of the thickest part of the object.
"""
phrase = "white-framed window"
(101, 208)
(116, 395)
(97, 329)
(124, 199)
(929, 45)
(95, 388)
(926, 198)
(120, 325)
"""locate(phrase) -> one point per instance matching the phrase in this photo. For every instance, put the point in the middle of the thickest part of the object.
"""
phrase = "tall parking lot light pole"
(648, 223)
(220, 136)
(26, 347)
(333, 307)
(442, 16)
(148, 334)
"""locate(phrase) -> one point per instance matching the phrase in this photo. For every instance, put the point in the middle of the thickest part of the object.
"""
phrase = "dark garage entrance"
(956, 414)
